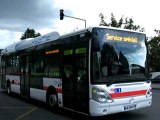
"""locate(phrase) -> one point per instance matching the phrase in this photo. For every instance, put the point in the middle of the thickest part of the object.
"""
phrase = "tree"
(103, 23)
(154, 45)
(129, 23)
(157, 32)
(30, 33)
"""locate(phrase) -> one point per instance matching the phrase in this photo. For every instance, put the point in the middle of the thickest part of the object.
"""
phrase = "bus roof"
(91, 27)
(50, 37)
(31, 42)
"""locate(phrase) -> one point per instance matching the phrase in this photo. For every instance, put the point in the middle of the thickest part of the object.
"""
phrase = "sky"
(43, 16)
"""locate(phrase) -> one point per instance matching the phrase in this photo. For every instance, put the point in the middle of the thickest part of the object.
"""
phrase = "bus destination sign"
(121, 38)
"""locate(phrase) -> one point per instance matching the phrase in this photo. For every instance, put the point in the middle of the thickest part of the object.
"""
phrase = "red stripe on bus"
(59, 90)
(45, 88)
(125, 94)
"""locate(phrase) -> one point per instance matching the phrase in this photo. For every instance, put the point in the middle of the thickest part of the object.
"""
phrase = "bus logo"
(116, 90)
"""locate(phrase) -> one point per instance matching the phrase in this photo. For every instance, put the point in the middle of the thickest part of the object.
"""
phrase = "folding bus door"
(75, 78)
(24, 76)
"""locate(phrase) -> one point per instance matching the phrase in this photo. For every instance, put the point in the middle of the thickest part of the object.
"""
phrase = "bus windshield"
(121, 57)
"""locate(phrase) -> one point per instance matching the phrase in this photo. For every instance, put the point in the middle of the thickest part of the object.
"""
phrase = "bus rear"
(119, 71)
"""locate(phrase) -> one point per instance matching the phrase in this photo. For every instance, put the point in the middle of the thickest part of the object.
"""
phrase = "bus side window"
(37, 71)
(37, 64)
(81, 68)
(9, 66)
(52, 64)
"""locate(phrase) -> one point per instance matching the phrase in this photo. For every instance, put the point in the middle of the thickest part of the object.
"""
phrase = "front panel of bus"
(118, 72)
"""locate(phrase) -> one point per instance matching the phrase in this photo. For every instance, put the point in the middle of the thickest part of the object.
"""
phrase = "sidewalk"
(155, 85)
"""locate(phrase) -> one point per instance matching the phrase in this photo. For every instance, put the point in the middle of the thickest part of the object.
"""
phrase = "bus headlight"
(100, 95)
(102, 98)
(149, 92)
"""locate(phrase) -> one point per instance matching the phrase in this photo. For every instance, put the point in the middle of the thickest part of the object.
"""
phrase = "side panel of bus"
(59, 69)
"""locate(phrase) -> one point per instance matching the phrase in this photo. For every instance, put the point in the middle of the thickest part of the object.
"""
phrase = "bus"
(94, 71)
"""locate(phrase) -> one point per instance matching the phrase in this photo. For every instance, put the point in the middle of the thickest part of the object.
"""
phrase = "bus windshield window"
(122, 56)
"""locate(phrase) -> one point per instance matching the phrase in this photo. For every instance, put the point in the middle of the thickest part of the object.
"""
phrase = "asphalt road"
(17, 108)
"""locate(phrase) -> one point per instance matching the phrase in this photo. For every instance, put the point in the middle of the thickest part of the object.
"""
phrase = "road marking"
(26, 113)
(15, 107)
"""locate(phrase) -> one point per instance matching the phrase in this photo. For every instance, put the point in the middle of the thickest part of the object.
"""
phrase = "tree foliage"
(157, 32)
(29, 33)
(154, 45)
(127, 23)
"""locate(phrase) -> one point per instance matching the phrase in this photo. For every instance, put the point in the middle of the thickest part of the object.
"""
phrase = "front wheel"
(52, 101)
(8, 89)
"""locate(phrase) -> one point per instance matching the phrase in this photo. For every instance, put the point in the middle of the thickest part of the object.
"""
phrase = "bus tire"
(52, 99)
(9, 89)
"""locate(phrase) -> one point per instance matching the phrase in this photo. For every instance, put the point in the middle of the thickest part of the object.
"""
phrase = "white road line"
(15, 107)
(26, 113)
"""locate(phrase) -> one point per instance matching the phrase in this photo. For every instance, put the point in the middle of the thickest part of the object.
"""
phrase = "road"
(18, 108)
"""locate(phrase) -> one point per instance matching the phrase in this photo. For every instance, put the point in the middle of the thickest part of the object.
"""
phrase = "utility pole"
(62, 16)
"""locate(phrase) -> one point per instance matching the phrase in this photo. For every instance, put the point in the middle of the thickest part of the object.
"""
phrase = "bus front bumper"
(119, 105)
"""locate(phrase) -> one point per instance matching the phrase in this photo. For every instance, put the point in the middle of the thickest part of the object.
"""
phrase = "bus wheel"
(52, 100)
(8, 89)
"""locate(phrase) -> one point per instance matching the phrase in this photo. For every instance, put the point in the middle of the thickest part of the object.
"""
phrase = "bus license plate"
(129, 107)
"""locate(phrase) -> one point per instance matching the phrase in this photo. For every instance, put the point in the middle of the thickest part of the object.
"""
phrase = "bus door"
(3, 74)
(24, 76)
(75, 78)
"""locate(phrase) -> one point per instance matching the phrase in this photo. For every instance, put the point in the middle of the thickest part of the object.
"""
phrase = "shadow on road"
(76, 116)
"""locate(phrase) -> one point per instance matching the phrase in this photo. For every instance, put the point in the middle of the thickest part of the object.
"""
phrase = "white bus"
(95, 71)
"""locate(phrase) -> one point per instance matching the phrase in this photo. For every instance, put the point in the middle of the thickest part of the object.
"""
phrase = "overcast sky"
(43, 15)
